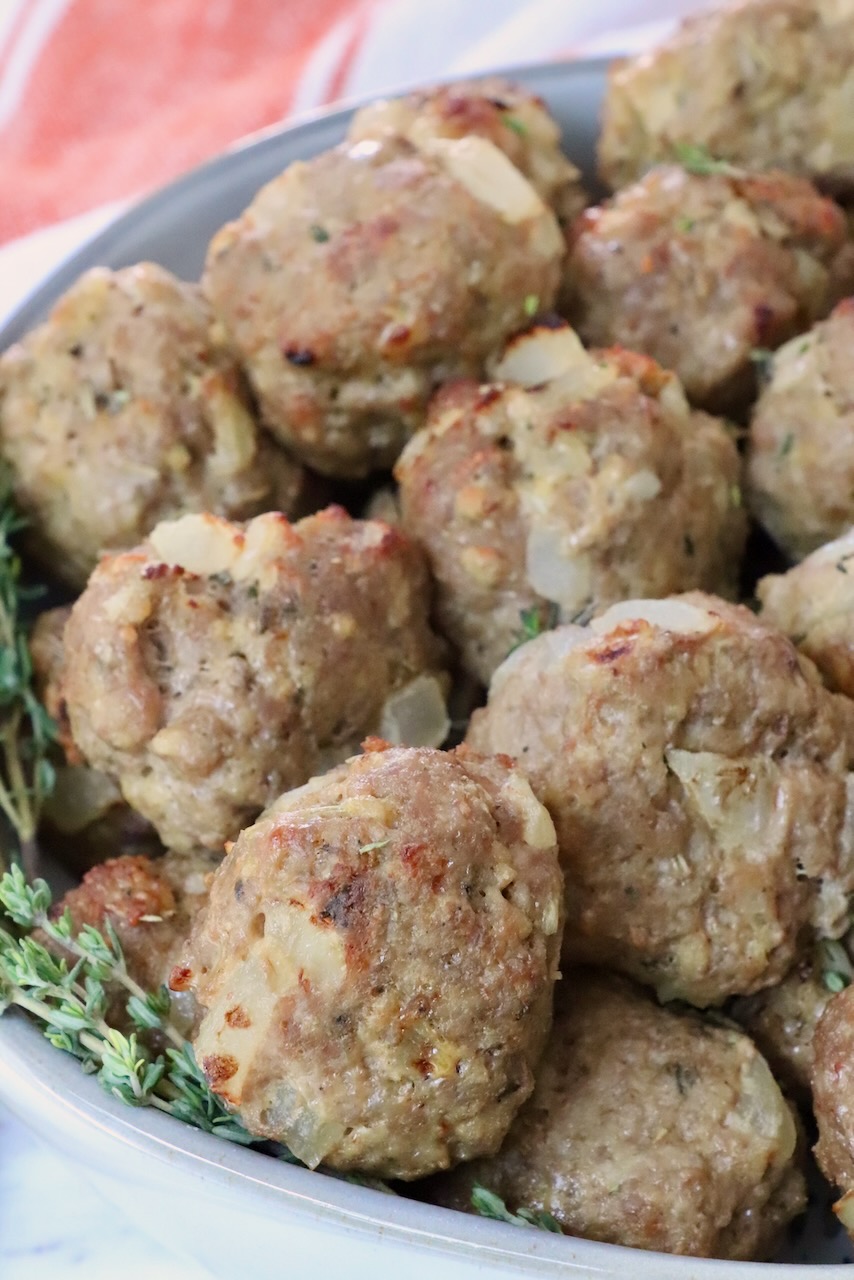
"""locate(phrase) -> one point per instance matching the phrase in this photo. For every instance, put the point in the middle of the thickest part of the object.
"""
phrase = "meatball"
(216, 666)
(814, 605)
(151, 904)
(783, 1019)
(647, 1128)
(124, 409)
(699, 270)
(544, 503)
(377, 962)
(84, 819)
(698, 775)
(833, 1094)
(800, 461)
(761, 82)
(506, 114)
(358, 281)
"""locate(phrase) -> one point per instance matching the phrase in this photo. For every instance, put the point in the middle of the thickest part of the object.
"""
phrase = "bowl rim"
(38, 1080)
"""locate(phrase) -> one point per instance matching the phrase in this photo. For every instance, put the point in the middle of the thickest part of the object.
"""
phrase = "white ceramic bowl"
(240, 1212)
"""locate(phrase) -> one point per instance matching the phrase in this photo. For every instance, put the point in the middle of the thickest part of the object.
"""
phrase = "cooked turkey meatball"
(761, 82)
(377, 962)
(647, 1128)
(833, 1099)
(358, 281)
(547, 502)
(699, 270)
(698, 775)
(800, 461)
(124, 409)
(506, 114)
(814, 605)
(84, 820)
(151, 904)
(783, 1019)
(216, 666)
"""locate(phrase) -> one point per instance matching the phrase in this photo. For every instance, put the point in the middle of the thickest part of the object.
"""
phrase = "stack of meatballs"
(437, 448)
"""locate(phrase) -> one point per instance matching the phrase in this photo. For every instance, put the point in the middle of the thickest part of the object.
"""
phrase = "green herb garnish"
(531, 305)
(26, 730)
(489, 1205)
(319, 234)
(697, 159)
(836, 968)
(517, 125)
(536, 620)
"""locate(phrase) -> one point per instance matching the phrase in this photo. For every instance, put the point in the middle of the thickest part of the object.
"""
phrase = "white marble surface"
(54, 1225)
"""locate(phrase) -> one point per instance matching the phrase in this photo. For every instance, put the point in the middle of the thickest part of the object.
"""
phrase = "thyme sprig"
(697, 159)
(72, 991)
(26, 730)
(490, 1205)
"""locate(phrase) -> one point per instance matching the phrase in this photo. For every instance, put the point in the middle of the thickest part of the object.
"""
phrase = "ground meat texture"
(546, 503)
(699, 271)
(216, 666)
(378, 960)
(698, 775)
(358, 281)
(125, 409)
(151, 904)
(506, 114)
(84, 820)
(783, 1019)
(761, 82)
(833, 1091)
(647, 1128)
(814, 605)
(800, 463)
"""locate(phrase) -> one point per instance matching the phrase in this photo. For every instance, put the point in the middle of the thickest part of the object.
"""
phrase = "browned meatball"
(700, 270)
(84, 820)
(506, 114)
(814, 604)
(833, 1099)
(124, 409)
(546, 503)
(377, 962)
(782, 1019)
(800, 464)
(760, 82)
(698, 775)
(358, 281)
(151, 904)
(215, 666)
(647, 1128)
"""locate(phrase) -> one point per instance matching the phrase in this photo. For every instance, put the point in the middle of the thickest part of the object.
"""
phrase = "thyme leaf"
(490, 1205)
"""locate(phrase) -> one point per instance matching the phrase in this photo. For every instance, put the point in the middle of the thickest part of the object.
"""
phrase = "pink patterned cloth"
(104, 99)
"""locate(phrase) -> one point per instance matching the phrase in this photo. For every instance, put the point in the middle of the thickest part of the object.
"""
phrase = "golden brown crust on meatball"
(378, 959)
(151, 904)
(358, 281)
(647, 1128)
(760, 82)
(800, 461)
(556, 500)
(216, 665)
(699, 777)
(700, 270)
(506, 114)
(125, 409)
(833, 1090)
